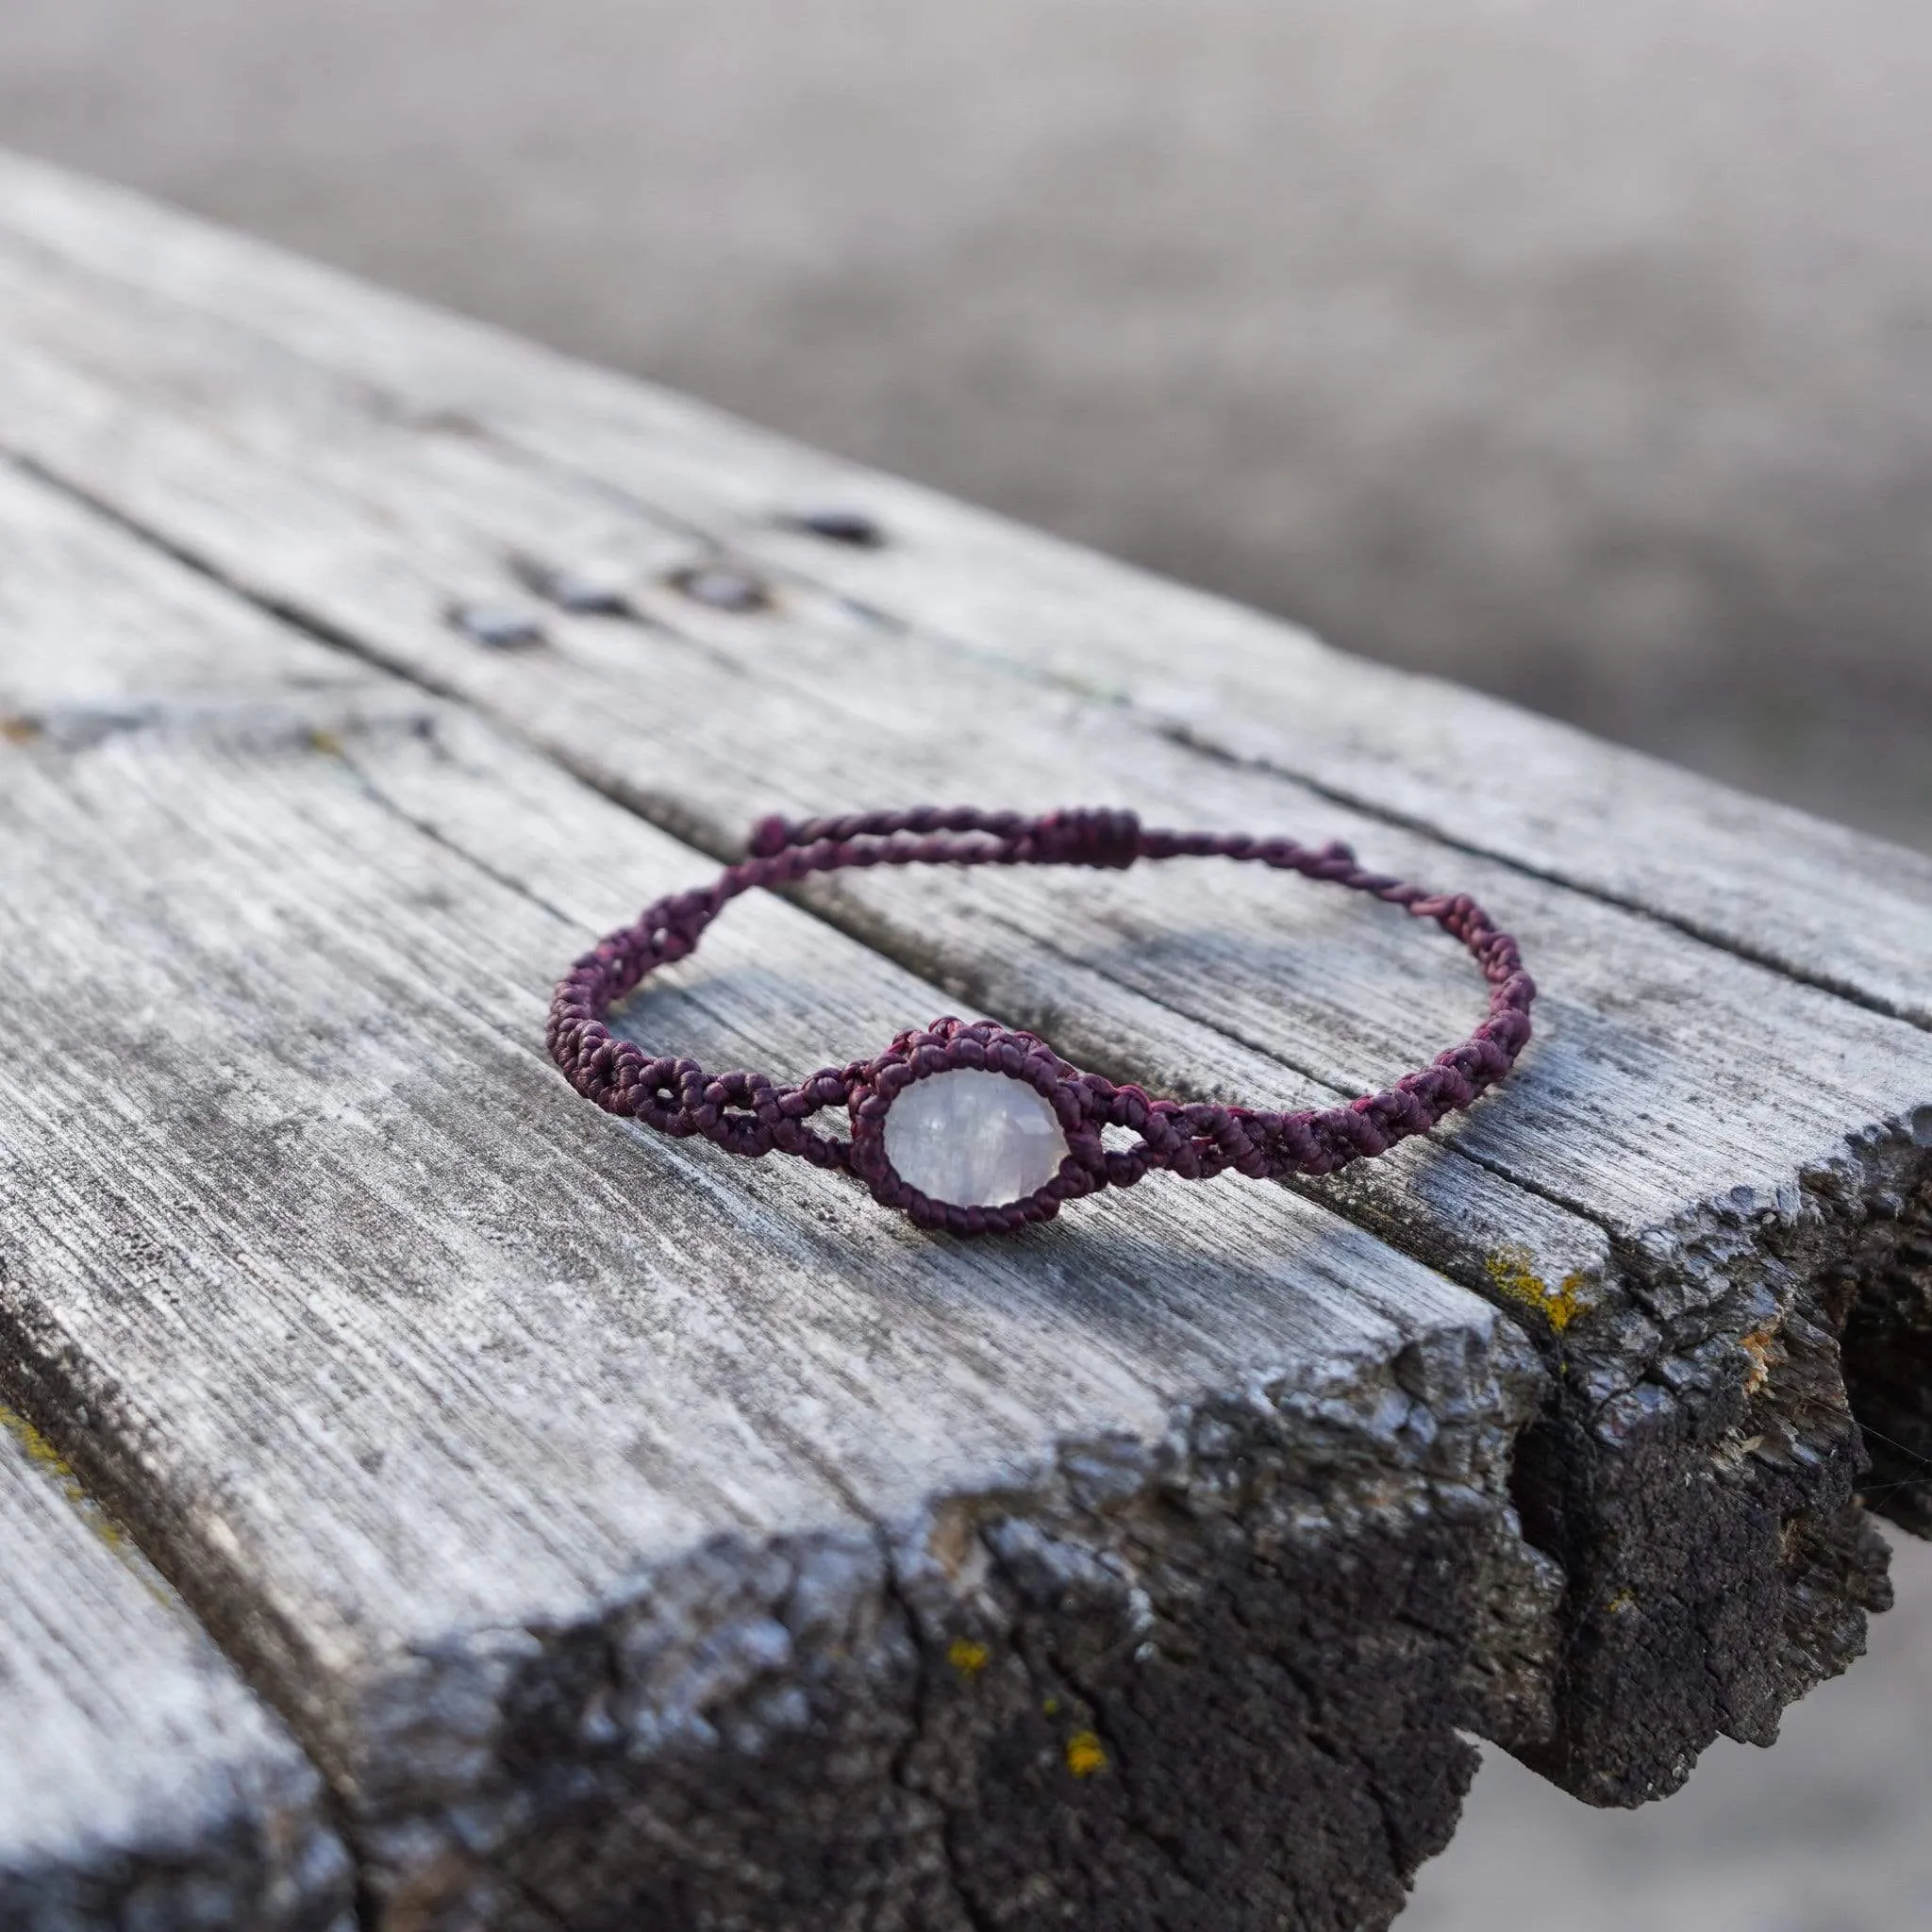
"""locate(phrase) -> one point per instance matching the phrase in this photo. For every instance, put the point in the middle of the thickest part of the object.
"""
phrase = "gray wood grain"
(1843, 911)
(634, 1537)
(1690, 1162)
(141, 1784)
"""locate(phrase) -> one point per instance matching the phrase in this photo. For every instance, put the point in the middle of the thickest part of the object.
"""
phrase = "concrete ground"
(1580, 351)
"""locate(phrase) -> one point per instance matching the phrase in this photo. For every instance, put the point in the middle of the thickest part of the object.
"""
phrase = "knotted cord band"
(751, 1114)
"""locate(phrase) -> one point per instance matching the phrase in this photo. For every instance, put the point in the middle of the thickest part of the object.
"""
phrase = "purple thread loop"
(748, 1114)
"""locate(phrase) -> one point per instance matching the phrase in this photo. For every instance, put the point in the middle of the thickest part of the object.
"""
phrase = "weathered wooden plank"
(636, 1539)
(1817, 900)
(1688, 1194)
(141, 1784)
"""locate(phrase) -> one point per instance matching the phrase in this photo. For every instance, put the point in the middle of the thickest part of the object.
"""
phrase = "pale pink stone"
(973, 1139)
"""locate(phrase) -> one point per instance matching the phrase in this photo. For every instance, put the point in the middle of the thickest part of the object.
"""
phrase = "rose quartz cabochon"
(974, 1139)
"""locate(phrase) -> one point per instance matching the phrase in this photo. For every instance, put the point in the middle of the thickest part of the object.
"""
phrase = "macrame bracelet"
(935, 1111)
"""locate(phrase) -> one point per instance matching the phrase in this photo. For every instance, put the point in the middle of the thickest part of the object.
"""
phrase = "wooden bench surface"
(625, 1530)
(141, 1784)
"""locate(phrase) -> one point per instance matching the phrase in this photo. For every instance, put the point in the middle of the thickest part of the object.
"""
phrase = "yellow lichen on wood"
(39, 1452)
(967, 1658)
(1512, 1272)
(1085, 1754)
(1758, 1346)
(45, 1456)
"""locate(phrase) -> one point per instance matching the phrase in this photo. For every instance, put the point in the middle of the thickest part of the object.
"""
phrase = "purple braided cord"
(750, 1114)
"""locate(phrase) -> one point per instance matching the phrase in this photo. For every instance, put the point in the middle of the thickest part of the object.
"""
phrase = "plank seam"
(1190, 738)
(1173, 731)
(679, 525)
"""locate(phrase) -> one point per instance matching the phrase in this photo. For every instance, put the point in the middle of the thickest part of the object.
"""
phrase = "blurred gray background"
(1579, 349)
